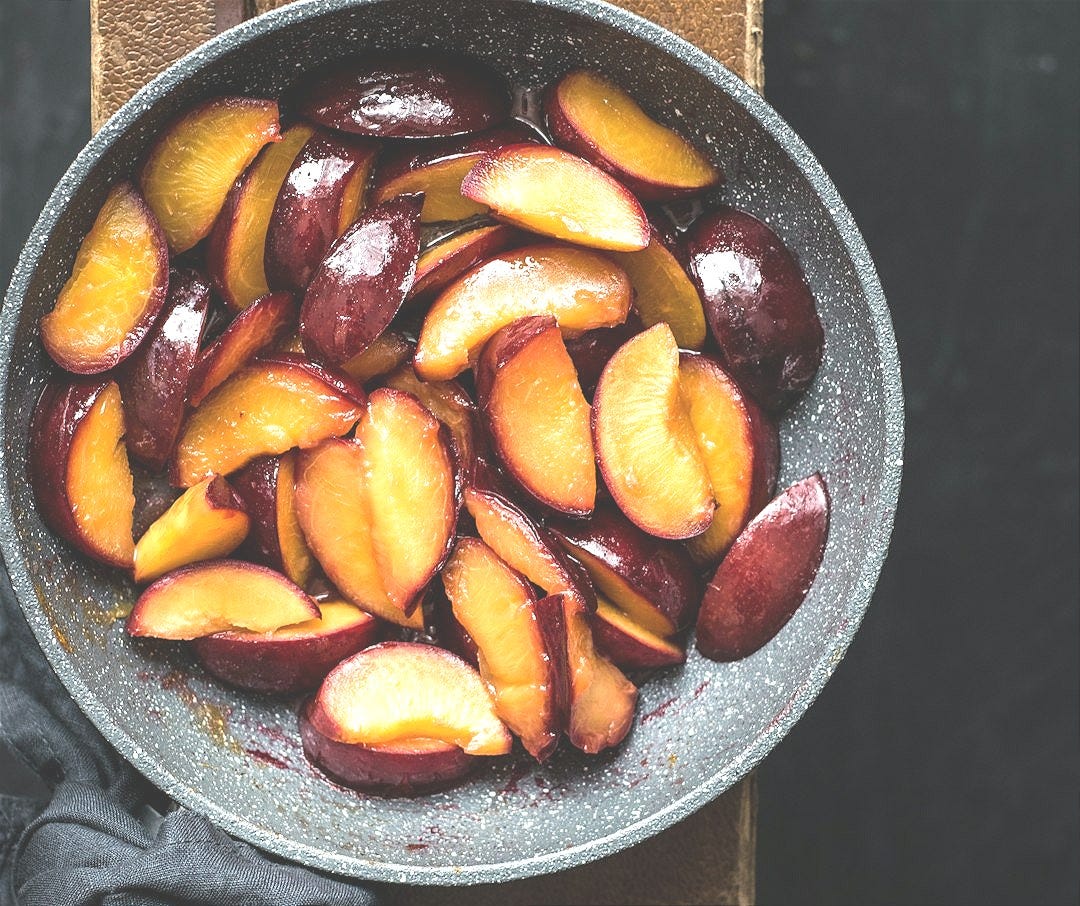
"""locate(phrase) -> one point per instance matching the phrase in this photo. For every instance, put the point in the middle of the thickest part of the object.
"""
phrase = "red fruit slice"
(554, 193)
(388, 351)
(116, 289)
(537, 416)
(498, 610)
(312, 208)
(767, 573)
(206, 522)
(196, 160)
(260, 326)
(79, 468)
(291, 659)
(447, 260)
(264, 409)
(399, 691)
(154, 381)
(579, 288)
(629, 645)
(422, 94)
(740, 447)
(358, 289)
(593, 117)
(216, 596)
(593, 350)
(237, 244)
(645, 443)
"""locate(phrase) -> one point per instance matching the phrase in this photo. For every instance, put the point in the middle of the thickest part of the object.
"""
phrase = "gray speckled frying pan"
(236, 757)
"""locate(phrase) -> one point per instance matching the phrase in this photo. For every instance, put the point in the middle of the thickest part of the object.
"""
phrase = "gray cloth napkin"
(107, 835)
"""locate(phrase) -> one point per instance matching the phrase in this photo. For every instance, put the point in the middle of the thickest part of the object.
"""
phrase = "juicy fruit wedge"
(759, 307)
(664, 292)
(740, 447)
(629, 645)
(602, 700)
(440, 184)
(198, 157)
(593, 350)
(216, 596)
(654, 582)
(410, 489)
(116, 288)
(497, 609)
(593, 117)
(525, 547)
(79, 468)
(262, 325)
(206, 522)
(399, 691)
(579, 288)
(645, 443)
(447, 260)
(767, 573)
(388, 351)
(237, 244)
(292, 659)
(154, 381)
(537, 415)
(554, 193)
(265, 408)
(318, 199)
(424, 94)
(359, 287)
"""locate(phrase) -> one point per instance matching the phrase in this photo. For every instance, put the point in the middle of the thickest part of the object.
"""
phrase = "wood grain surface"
(709, 857)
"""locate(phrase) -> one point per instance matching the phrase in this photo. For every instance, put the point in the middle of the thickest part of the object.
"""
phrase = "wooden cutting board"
(709, 857)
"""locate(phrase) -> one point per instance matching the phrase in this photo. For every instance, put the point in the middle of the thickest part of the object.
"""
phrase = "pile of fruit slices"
(388, 434)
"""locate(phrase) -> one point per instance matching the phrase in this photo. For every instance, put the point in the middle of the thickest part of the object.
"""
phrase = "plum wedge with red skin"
(154, 381)
(767, 573)
(630, 646)
(591, 351)
(401, 94)
(79, 470)
(363, 281)
(441, 264)
(260, 326)
(116, 290)
(308, 211)
(760, 310)
(291, 659)
(554, 193)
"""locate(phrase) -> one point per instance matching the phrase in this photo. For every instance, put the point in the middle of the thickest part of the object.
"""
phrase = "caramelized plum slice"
(292, 659)
(645, 443)
(116, 289)
(497, 608)
(740, 447)
(154, 381)
(79, 468)
(629, 645)
(358, 289)
(418, 94)
(579, 288)
(264, 409)
(536, 414)
(388, 351)
(554, 193)
(260, 326)
(398, 691)
(410, 488)
(767, 573)
(591, 351)
(444, 262)
(217, 596)
(591, 116)
(312, 204)
(206, 522)
(759, 307)
(237, 245)
(197, 158)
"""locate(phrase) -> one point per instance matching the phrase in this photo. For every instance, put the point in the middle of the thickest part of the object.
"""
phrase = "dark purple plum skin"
(590, 351)
(363, 281)
(304, 222)
(154, 381)
(418, 94)
(256, 486)
(551, 618)
(760, 310)
(767, 573)
(661, 571)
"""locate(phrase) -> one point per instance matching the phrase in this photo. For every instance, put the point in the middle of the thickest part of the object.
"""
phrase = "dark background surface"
(942, 763)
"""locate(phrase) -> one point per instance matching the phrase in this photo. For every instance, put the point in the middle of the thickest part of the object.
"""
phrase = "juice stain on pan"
(211, 718)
